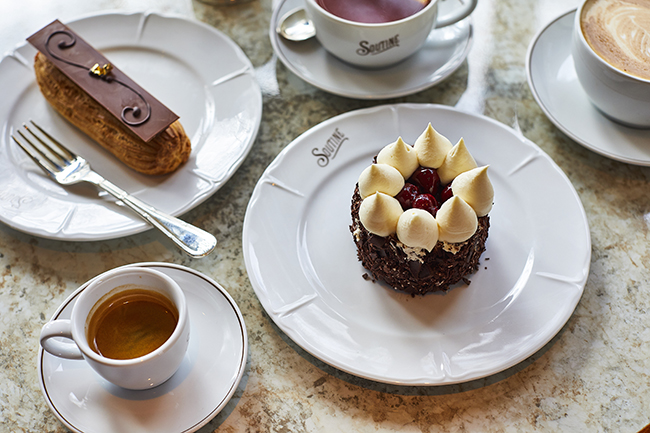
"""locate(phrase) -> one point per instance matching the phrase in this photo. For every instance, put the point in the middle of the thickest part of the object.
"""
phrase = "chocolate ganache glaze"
(143, 114)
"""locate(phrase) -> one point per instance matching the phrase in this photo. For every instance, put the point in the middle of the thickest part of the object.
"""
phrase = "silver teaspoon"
(295, 26)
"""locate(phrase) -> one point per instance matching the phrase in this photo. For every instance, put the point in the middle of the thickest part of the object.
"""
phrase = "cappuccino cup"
(392, 36)
(611, 61)
(131, 325)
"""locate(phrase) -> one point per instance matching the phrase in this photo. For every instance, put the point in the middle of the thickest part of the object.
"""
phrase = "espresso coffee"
(131, 323)
(619, 32)
(373, 11)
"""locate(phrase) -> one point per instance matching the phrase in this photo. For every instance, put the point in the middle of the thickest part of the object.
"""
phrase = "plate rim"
(195, 273)
(558, 124)
(136, 224)
(302, 341)
(371, 96)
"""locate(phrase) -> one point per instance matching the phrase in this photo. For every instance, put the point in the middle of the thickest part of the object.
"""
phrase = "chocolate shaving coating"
(439, 270)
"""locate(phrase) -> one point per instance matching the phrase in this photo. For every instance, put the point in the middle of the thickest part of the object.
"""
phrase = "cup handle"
(456, 14)
(59, 328)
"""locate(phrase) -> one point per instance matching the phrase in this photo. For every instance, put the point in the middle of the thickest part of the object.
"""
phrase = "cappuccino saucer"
(208, 377)
(555, 86)
(443, 52)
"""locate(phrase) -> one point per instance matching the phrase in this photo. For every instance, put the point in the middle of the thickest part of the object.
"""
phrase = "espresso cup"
(380, 44)
(612, 76)
(113, 351)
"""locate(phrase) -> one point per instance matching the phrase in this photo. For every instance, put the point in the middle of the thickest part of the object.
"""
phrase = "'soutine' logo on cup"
(378, 48)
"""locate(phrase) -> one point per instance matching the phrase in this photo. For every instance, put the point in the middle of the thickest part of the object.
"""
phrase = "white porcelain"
(622, 97)
(144, 372)
(208, 377)
(302, 261)
(554, 84)
(197, 71)
(443, 53)
(373, 45)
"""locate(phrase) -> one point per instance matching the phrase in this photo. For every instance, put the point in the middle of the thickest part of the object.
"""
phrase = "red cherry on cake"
(426, 202)
(446, 193)
(407, 195)
(427, 179)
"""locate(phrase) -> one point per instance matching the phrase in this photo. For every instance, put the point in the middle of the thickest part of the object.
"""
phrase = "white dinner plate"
(443, 52)
(194, 69)
(206, 380)
(302, 262)
(555, 86)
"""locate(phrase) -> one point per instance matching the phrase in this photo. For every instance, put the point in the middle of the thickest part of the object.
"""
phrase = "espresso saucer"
(555, 86)
(203, 385)
(443, 53)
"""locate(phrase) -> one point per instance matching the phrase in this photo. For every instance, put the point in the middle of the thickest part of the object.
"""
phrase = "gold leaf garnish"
(101, 71)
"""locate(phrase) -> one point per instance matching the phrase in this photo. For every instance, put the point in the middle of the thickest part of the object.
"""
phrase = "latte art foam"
(619, 32)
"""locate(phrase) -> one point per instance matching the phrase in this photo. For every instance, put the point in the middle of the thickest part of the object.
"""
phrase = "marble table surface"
(593, 376)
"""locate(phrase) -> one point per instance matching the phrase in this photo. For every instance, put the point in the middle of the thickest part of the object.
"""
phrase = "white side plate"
(194, 69)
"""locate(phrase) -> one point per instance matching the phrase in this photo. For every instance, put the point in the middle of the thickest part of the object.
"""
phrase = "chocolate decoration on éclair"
(110, 87)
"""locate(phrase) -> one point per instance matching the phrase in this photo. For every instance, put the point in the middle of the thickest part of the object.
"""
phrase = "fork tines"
(57, 156)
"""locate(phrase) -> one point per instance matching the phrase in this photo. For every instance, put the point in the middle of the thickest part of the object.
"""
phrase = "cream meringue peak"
(380, 178)
(379, 214)
(458, 161)
(401, 156)
(457, 221)
(431, 148)
(417, 228)
(475, 188)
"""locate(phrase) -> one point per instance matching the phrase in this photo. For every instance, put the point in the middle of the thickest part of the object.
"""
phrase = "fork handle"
(191, 239)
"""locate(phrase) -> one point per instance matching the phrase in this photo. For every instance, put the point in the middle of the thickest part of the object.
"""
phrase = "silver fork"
(68, 168)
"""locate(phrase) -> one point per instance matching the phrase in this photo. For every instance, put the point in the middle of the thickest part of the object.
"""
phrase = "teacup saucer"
(208, 377)
(444, 51)
(555, 86)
